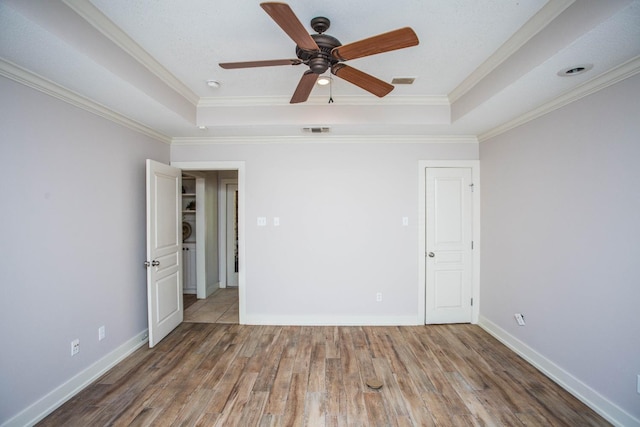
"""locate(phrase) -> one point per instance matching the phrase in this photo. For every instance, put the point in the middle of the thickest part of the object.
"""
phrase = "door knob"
(431, 254)
(155, 263)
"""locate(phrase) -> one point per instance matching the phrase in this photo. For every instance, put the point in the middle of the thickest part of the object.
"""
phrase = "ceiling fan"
(321, 52)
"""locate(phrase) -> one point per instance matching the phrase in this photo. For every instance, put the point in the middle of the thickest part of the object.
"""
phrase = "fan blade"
(289, 22)
(267, 63)
(304, 87)
(363, 80)
(393, 40)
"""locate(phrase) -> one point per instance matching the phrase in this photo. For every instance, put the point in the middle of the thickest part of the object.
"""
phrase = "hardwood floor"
(237, 375)
(188, 300)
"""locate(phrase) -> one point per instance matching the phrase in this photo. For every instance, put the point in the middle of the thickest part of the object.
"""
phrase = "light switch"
(405, 220)
(262, 221)
(276, 221)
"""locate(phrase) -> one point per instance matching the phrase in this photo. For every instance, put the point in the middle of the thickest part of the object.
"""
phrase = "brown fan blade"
(267, 63)
(304, 87)
(393, 40)
(289, 22)
(362, 80)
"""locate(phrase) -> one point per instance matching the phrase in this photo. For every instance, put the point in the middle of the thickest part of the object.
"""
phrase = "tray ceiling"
(481, 65)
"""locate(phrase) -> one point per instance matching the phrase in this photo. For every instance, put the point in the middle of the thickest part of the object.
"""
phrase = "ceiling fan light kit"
(322, 52)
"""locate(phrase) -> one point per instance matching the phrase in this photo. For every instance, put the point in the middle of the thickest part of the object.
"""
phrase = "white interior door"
(164, 250)
(448, 245)
(232, 235)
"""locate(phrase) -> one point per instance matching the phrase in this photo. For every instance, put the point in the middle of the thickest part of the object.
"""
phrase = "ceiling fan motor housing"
(321, 60)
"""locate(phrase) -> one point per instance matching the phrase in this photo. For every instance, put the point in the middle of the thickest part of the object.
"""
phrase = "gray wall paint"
(341, 238)
(73, 231)
(560, 238)
(211, 231)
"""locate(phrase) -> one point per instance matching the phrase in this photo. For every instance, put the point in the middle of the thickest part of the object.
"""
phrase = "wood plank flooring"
(237, 375)
(188, 300)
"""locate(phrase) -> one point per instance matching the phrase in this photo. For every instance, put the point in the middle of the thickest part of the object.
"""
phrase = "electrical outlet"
(75, 347)
(519, 318)
(101, 333)
(262, 221)
(379, 297)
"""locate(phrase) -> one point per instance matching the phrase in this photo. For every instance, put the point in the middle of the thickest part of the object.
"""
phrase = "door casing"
(474, 165)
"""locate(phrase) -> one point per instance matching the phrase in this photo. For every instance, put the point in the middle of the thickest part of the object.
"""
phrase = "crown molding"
(587, 88)
(34, 81)
(327, 139)
(533, 26)
(102, 23)
(258, 101)
(27, 78)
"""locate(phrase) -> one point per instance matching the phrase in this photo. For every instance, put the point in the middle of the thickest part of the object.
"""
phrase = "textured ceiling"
(190, 38)
(480, 63)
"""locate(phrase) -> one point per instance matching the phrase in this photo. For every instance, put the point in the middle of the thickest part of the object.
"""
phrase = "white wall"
(211, 242)
(561, 242)
(340, 239)
(73, 229)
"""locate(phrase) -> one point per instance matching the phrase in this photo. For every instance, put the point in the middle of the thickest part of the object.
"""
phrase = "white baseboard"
(51, 401)
(331, 320)
(607, 409)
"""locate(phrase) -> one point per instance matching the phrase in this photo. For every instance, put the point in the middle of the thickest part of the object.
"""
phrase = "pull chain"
(330, 90)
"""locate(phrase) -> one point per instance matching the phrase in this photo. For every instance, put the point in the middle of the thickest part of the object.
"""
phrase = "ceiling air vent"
(403, 80)
(316, 129)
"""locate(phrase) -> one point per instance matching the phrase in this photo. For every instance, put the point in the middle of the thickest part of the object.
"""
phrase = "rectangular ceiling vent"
(316, 129)
(403, 80)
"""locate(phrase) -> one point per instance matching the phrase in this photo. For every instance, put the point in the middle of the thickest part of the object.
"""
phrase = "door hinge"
(472, 245)
(471, 302)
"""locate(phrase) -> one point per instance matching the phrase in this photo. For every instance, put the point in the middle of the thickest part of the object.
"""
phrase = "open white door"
(164, 250)
(448, 245)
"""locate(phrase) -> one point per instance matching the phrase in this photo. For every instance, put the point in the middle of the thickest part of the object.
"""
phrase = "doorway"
(235, 171)
(215, 199)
